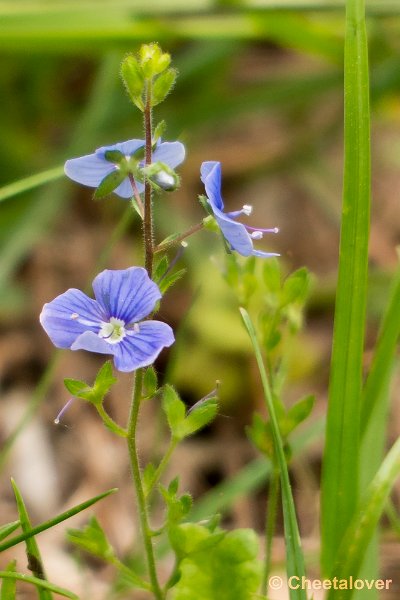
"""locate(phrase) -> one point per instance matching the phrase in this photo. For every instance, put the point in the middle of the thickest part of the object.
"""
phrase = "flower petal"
(124, 190)
(89, 169)
(68, 316)
(93, 343)
(140, 349)
(211, 177)
(170, 153)
(128, 294)
(235, 234)
(127, 148)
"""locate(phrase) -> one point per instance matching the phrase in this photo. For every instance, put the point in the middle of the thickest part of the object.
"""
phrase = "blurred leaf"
(296, 287)
(217, 565)
(297, 414)
(200, 415)
(174, 409)
(92, 539)
(133, 78)
(150, 382)
(170, 280)
(40, 584)
(110, 183)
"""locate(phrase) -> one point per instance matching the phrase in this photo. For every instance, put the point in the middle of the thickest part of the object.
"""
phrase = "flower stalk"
(137, 480)
(148, 233)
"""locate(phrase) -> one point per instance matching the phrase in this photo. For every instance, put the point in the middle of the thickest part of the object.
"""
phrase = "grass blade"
(341, 459)
(35, 563)
(39, 583)
(363, 525)
(29, 183)
(295, 560)
(8, 587)
(48, 524)
(7, 529)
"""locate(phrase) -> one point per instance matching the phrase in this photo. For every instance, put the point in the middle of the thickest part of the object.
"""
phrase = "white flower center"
(113, 331)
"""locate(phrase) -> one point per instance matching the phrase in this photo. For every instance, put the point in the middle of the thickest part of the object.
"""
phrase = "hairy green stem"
(178, 239)
(137, 480)
(148, 233)
(109, 422)
(162, 466)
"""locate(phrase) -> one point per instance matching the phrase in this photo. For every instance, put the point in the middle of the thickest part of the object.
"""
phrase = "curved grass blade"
(7, 529)
(39, 583)
(29, 183)
(48, 524)
(341, 459)
(35, 563)
(362, 528)
(295, 559)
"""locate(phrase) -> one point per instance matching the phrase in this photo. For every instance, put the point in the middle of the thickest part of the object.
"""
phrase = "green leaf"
(6, 530)
(217, 565)
(150, 382)
(44, 586)
(48, 524)
(174, 409)
(35, 563)
(92, 539)
(162, 86)
(364, 522)
(340, 470)
(297, 414)
(296, 287)
(159, 131)
(153, 60)
(148, 477)
(160, 268)
(260, 434)
(170, 279)
(8, 587)
(200, 415)
(272, 275)
(133, 78)
(103, 382)
(177, 507)
(109, 183)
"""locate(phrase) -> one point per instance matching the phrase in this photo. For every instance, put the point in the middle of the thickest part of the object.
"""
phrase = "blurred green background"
(260, 89)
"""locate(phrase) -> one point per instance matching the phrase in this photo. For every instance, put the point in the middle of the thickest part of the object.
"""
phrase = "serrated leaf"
(200, 415)
(109, 183)
(162, 86)
(227, 569)
(35, 563)
(8, 587)
(92, 539)
(173, 486)
(6, 530)
(174, 409)
(159, 131)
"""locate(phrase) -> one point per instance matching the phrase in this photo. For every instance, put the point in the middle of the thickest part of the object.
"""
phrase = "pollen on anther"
(74, 316)
(247, 209)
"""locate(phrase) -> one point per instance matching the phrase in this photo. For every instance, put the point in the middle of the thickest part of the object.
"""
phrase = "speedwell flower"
(113, 322)
(239, 236)
(91, 169)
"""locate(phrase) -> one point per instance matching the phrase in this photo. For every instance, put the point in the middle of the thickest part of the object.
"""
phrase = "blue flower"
(91, 169)
(113, 322)
(236, 234)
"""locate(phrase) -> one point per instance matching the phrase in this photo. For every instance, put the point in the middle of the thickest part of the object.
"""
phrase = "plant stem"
(148, 234)
(137, 480)
(161, 467)
(270, 525)
(136, 194)
(110, 423)
(171, 243)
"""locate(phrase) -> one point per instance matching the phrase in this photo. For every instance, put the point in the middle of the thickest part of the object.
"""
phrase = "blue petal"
(235, 234)
(140, 349)
(170, 153)
(127, 148)
(211, 177)
(89, 170)
(124, 190)
(68, 316)
(93, 343)
(129, 294)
